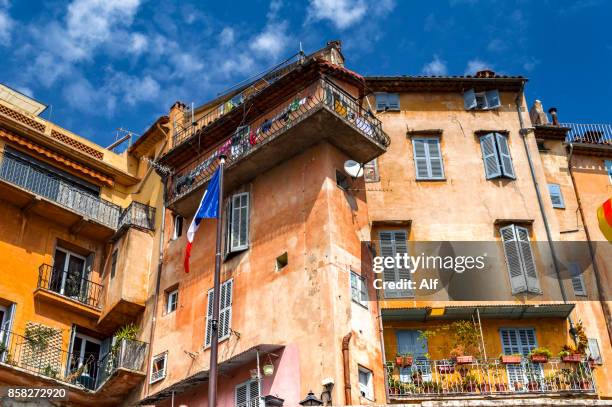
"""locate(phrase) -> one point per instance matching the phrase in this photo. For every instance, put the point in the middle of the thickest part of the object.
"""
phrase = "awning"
(520, 311)
(55, 156)
(249, 356)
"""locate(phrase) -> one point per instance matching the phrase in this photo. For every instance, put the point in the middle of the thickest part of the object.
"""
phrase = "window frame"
(369, 395)
(428, 158)
(160, 356)
(500, 168)
(599, 360)
(229, 230)
(361, 289)
(551, 188)
(388, 106)
(471, 99)
(169, 295)
(177, 220)
(114, 257)
(576, 272)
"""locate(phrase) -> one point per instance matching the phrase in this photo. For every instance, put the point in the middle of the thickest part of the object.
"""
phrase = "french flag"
(208, 209)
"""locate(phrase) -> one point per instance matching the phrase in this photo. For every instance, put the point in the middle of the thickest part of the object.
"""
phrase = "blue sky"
(104, 64)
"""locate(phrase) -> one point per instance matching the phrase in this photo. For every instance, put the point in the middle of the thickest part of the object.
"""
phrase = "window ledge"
(431, 179)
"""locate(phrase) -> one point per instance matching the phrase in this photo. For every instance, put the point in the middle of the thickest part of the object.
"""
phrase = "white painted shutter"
(370, 171)
(242, 394)
(469, 99)
(393, 101)
(253, 393)
(577, 279)
(209, 315)
(504, 154)
(420, 159)
(554, 190)
(225, 309)
(528, 262)
(518, 282)
(436, 168)
(492, 99)
(247, 394)
(239, 225)
(392, 243)
(489, 156)
(381, 102)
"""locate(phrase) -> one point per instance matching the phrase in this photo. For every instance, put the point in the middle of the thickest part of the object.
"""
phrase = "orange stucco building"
(451, 166)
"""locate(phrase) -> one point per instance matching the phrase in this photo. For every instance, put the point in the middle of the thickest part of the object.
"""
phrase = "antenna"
(120, 140)
(353, 168)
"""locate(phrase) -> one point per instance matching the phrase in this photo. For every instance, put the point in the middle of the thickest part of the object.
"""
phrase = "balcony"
(36, 190)
(137, 215)
(490, 377)
(322, 111)
(68, 290)
(103, 379)
(589, 135)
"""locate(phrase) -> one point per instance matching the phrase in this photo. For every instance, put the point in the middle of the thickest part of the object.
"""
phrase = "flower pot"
(393, 391)
(501, 387)
(446, 369)
(572, 358)
(510, 359)
(533, 386)
(539, 358)
(399, 360)
(464, 360)
(584, 384)
(486, 388)
(470, 387)
(268, 370)
(407, 361)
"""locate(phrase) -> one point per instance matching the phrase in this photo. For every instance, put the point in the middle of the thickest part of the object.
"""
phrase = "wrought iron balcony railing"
(34, 353)
(444, 378)
(28, 177)
(322, 94)
(70, 284)
(589, 133)
(139, 215)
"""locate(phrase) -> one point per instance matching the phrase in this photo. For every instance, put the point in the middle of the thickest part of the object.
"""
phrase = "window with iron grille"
(225, 312)
(359, 289)
(496, 156)
(158, 367)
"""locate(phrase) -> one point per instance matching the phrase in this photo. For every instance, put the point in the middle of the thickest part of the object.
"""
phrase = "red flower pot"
(510, 359)
(407, 361)
(501, 387)
(572, 358)
(585, 385)
(399, 360)
(533, 386)
(539, 358)
(464, 360)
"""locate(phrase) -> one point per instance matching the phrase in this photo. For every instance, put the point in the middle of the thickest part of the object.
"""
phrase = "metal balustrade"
(433, 378)
(70, 284)
(589, 133)
(139, 215)
(44, 184)
(89, 370)
(320, 94)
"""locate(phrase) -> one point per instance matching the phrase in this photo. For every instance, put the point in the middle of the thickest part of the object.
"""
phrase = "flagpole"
(214, 339)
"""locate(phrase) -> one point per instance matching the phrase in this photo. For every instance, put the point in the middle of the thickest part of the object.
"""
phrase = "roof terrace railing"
(320, 94)
(589, 133)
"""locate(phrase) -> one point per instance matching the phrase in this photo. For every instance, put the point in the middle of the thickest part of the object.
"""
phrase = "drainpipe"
(600, 292)
(347, 373)
(524, 131)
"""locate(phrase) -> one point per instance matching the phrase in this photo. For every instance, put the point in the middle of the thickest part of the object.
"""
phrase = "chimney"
(537, 115)
(553, 115)
(485, 73)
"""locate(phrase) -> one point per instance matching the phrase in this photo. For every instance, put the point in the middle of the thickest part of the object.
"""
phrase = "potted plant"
(533, 377)
(471, 382)
(393, 386)
(408, 388)
(407, 359)
(552, 381)
(399, 360)
(569, 355)
(431, 387)
(417, 377)
(514, 359)
(501, 387)
(540, 355)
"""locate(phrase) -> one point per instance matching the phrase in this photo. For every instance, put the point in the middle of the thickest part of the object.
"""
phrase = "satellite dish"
(353, 168)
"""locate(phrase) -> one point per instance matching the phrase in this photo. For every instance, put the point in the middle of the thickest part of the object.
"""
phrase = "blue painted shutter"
(392, 243)
(518, 282)
(504, 155)
(527, 259)
(489, 156)
(577, 279)
(381, 102)
(393, 101)
(420, 159)
(492, 99)
(521, 341)
(469, 99)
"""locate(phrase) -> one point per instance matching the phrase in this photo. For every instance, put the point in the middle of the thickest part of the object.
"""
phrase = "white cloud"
(475, 65)
(138, 44)
(435, 67)
(497, 45)
(6, 27)
(341, 13)
(272, 41)
(132, 89)
(226, 37)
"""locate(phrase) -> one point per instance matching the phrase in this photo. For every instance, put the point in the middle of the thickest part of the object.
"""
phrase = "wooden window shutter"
(225, 309)
(577, 279)
(254, 393)
(209, 315)
(469, 99)
(436, 167)
(527, 259)
(392, 243)
(492, 99)
(239, 223)
(504, 155)
(242, 394)
(420, 159)
(393, 101)
(518, 281)
(489, 156)
(381, 102)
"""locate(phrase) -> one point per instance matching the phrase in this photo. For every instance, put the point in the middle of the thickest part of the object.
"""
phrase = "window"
(247, 394)
(114, 263)
(392, 243)
(481, 100)
(594, 351)
(370, 171)
(84, 355)
(237, 234)
(7, 315)
(555, 196)
(366, 383)
(172, 300)
(428, 158)
(342, 180)
(519, 341)
(387, 101)
(158, 367)
(225, 312)
(410, 341)
(178, 227)
(608, 165)
(496, 156)
(519, 259)
(282, 261)
(577, 279)
(359, 289)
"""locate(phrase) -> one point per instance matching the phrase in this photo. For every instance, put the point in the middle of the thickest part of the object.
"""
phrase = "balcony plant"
(37, 337)
(408, 388)
(461, 340)
(471, 382)
(552, 381)
(513, 359)
(431, 387)
(570, 354)
(533, 377)
(540, 355)
(394, 386)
